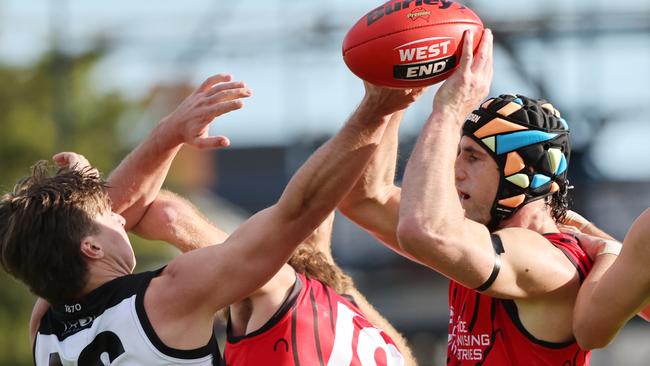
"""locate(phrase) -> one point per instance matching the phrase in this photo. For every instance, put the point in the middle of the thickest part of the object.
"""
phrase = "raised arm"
(583, 225)
(616, 288)
(174, 220)
(432, 225)
(213, 277)
(374, 201)
(135, 183)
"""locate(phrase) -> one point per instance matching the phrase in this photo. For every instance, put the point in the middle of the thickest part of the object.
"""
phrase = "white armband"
(610, 247)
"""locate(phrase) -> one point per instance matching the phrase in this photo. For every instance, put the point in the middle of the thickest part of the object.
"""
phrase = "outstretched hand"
(470, 83)
(217, 95)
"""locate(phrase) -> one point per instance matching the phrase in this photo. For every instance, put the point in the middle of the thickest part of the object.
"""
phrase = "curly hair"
(308, 260)
(560, 202)
(42, 223)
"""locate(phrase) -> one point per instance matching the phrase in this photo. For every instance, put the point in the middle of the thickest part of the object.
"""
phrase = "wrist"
(609, 247)
(371, 110)
(167, 134)
(448, 117)
(460, 111)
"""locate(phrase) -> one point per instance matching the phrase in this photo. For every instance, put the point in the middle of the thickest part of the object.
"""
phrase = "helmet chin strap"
(495, 221)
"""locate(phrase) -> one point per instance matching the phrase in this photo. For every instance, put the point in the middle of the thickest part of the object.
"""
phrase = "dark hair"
(42, 223)
(559, 202)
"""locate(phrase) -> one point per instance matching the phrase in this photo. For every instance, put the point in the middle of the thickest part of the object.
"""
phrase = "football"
(409, 43)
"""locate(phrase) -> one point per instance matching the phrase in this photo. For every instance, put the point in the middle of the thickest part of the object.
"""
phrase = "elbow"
(418, 239)
(160, 218)
(349, 204)
(164, 211)
(353, 203)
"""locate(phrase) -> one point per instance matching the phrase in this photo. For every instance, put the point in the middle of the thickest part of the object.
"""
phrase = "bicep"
(532, 266)
(465, 254)
(529, 264)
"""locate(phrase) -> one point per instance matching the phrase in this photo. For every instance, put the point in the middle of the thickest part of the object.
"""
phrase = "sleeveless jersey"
(110, 326)
(487, 331)
(314, 326)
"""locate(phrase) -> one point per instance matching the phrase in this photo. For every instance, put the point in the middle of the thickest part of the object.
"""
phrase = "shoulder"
(533, 246)
(532, 264)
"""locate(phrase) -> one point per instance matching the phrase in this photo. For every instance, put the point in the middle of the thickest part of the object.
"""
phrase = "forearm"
(322, 182)
(585, 226)
(135, 183)
(373, 202)
(594, 323)
(173, 219)
(137, 180)
(321, 238)
(430, 203)
(379, 175)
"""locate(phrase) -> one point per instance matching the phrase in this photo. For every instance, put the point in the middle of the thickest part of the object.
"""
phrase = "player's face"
(477, 180)
(115, 242)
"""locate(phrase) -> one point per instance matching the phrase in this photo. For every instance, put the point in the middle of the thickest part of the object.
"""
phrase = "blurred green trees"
(50, 106)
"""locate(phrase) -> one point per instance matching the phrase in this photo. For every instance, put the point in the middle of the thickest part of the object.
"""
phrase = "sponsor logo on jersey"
(464, 344)
(74, 326)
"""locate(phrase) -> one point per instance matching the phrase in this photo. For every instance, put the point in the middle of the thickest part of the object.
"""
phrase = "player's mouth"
(462, 196)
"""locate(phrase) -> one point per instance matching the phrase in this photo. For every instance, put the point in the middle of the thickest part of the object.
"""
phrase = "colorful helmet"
(529, 141)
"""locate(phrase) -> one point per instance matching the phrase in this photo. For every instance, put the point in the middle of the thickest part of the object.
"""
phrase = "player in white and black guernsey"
(64, 235)
(111, 323)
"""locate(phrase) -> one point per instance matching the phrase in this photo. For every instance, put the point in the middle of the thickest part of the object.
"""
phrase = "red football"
(409, 43)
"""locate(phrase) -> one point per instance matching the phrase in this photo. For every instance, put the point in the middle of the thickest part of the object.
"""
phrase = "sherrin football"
(409, 43)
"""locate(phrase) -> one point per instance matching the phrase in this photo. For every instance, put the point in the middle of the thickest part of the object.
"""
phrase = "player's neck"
(535, 216)
(101, 273)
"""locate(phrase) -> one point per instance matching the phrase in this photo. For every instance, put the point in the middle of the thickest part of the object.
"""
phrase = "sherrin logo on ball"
(409, 43)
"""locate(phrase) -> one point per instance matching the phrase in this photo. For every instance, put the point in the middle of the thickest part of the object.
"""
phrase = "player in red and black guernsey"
(309, 313)
(321, 319)
(62, 237)
(482, 195)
